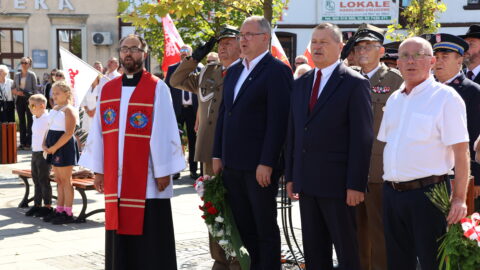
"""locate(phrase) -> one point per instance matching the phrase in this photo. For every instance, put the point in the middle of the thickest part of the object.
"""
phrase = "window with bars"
(11, 48)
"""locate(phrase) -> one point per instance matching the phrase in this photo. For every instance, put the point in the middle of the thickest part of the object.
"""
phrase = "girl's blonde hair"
(65, 88)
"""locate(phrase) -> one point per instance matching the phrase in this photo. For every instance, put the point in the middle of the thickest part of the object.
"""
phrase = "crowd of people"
(360, 140)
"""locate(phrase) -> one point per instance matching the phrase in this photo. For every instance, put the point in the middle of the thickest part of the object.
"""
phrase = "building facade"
(295, 27)
(37, 28)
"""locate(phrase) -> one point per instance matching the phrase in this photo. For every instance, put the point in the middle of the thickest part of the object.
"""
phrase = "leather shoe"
(176, 176)
(194, 175)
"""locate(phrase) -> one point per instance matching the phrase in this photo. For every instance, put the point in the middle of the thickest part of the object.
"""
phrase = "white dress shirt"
(326, 73)
(475, 71)
(371, 73)
(451, 79)
(248, 67)
(419, 130)
(166, 156)
(40, 128)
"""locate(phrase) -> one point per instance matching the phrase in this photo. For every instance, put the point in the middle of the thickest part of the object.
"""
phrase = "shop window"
(11, 48)
(70, 39)
(289, 44)
(472, 4)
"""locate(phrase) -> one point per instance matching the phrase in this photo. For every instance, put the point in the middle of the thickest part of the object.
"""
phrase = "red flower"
(212, 210)
(200, 207)
(201, 198)
(204, 217)
(208, 205)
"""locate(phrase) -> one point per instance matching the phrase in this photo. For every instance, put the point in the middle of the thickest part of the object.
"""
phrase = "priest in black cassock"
(136, 149)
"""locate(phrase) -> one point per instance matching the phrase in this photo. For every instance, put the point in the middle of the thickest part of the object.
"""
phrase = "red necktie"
(470, 75)
(224, 73)
(316, 88)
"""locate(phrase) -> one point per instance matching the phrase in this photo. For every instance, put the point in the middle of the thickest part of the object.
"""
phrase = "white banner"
(79, 75)
(358, 11)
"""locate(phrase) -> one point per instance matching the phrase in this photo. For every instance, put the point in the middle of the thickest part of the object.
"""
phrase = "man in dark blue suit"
(329, 141)
(185, 105)
(250, 136)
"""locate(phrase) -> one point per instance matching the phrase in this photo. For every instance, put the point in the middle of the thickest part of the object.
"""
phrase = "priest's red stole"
(126, 214)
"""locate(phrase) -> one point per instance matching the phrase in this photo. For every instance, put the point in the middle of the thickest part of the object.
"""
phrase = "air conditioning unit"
(102, 38)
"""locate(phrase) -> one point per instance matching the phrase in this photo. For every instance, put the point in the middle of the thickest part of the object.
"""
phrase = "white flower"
(199, 187)
(220, 233)
(223, 242)
(233, 254)
(219, 219)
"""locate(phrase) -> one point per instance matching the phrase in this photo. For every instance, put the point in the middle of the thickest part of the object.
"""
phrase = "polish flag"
(308, 54)
(277, 50)
(173, 42)
(79, 75)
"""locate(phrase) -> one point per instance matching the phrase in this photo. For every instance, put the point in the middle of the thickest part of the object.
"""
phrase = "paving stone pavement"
(28, 243)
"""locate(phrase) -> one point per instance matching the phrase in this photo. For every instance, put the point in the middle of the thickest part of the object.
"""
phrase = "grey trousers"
(41, 179)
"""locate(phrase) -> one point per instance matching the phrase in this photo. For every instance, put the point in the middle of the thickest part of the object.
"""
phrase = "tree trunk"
(267, 10)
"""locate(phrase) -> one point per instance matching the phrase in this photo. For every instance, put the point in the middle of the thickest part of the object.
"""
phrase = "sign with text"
(358, 11)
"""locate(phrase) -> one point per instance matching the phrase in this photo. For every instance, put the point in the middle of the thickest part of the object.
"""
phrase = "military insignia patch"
(109, 116)
(138, 120)
(381, 89)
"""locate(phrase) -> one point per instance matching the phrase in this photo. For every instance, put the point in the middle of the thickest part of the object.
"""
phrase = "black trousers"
(327, 221)
(7, 111)
(25, 120)
(41, 179)
(153, 250)
(255, 211)
(188, 116)
(412, 226)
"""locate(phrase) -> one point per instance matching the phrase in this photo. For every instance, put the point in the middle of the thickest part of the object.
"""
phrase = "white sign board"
(358, 11)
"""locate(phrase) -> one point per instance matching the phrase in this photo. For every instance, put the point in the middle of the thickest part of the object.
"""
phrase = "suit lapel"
(306, 87)
(329, 89)
(253, 74)
(234, 73)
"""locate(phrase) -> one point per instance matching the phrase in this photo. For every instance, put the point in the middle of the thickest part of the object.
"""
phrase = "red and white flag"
(308, 54)
(172, 43)
(277, 50)
(79, 75)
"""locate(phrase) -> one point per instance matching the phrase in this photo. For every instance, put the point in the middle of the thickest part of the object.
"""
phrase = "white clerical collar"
(251, 65)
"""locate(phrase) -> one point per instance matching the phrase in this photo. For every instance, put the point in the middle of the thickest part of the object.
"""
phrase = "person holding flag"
(138, 148)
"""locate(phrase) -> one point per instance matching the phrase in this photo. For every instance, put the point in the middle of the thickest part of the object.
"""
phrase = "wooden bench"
(81, 185)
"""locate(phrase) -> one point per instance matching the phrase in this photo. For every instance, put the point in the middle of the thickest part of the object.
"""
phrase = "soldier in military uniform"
(384, 80)
(449, 51)
(208, 85)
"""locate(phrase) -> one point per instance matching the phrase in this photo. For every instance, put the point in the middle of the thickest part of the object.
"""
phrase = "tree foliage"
(421, 18)
(196, 20)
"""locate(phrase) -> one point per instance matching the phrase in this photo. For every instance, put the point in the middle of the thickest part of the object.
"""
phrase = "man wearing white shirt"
(249, 137)
(329, 141)
(425, 130)
(137, 148)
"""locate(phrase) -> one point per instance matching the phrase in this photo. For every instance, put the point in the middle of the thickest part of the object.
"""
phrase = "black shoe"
(51, 216)
(194, 175)
(32, 211)
(43, 212)
(63, 218)
(176, 176)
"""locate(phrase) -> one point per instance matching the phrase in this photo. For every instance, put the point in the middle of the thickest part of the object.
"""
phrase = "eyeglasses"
(299, 63)
(184, 50)
(24, 63)
(367, 48)
(416, 56)
(59, 75)
(31, 106)
(248, 35)
(130, 49)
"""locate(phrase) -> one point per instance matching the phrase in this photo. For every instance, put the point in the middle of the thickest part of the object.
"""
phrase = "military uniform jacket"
(470, 93)
(208, 85)
(384, 82)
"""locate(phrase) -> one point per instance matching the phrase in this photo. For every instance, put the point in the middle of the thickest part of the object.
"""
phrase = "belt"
(417, 183)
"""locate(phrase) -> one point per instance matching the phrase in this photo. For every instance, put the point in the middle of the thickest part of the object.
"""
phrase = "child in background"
(62, 150)
(40, 168)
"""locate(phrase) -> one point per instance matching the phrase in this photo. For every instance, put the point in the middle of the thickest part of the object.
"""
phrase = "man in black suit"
(249, 138)
(329, 142)
(472, 61)
(185, 105)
